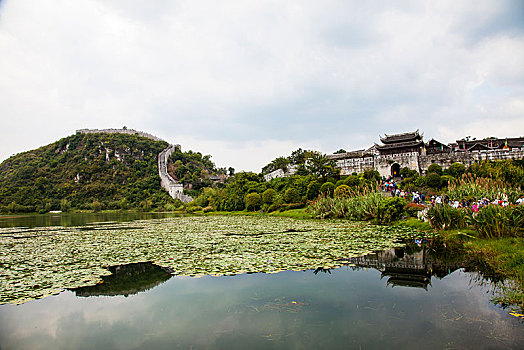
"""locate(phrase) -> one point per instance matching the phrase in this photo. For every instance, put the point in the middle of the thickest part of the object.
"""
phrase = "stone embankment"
(175, 189)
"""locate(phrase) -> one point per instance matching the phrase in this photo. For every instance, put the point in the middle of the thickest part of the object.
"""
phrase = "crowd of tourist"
(389, 185)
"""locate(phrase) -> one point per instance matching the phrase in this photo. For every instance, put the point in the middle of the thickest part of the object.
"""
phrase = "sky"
(248, 81)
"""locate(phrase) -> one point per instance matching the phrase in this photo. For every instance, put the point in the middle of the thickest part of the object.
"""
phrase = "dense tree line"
(194, 170)
(315, 174)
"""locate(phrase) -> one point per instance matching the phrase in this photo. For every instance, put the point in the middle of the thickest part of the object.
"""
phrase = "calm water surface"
(76, 219)
(390, 300)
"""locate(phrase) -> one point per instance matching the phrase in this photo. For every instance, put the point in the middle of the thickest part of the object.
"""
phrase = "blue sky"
(247, 81)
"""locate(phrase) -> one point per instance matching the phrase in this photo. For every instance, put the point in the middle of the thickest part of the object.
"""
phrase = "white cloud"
(247, 78)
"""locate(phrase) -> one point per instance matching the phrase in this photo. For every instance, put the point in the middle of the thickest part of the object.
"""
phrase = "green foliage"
(412, 209)
(268, 196)
(342, 191)
(291, 195)
(435, 168)
(84, 171)
(495, 221)
(390, 209)
(278, 163)
(206, 197)
(313, 190)
(433, 180)
(253, 201)
(363, 206)
(479, 188)
(456, 170)
(443, 216)
(191, 168)
(510, 171)
(327, 188)
(352, 181)
(320, 165)
(192, 207)
(407, 172)
(446, 180)
(371, 174)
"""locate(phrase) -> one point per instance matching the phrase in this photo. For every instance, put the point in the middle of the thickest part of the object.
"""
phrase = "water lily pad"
(56, 258)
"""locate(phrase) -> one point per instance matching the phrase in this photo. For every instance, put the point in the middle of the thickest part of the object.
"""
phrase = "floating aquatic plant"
(38, 263)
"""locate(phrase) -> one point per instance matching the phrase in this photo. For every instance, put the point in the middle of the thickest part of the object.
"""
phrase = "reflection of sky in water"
(344, 309)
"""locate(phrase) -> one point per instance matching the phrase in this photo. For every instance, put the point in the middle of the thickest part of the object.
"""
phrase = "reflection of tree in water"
(127, 280)
(321, 269)
(412, 266)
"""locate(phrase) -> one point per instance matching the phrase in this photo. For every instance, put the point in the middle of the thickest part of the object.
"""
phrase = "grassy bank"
(292, 213)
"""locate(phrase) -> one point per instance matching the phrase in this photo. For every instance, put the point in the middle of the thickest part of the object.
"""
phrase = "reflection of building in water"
(127, 280)
(403, 269)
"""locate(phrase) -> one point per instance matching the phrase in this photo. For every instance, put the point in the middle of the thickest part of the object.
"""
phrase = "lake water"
(76, 219)
(396, 299)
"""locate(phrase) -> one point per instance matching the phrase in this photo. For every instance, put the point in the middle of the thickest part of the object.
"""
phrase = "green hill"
(84, 171)
(194, 170)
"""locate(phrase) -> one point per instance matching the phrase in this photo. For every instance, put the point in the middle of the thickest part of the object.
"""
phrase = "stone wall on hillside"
(175, 189)
(468, 158)
(118, 131)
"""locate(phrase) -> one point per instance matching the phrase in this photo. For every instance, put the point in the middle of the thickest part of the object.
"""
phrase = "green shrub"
(352, 181)
(407, 172)
(371, 174)
(290, 206)
(433, 180)
(253, 201)
(412, 209)
(193, 208)
(273, 207)
(170, 207)
(494, 221)
(327, 188)
(456, 169)
(97, 206)
(342, 191)
(360, 207)
(208, 209)
(313, 189)
(291, 195)
(390, 209)
(65, 205)
(268, 196)
(446, 180)
(443, 216)
(435, 168)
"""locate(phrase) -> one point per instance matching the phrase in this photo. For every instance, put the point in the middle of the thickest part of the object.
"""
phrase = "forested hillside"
(194, 170)
(84, 171)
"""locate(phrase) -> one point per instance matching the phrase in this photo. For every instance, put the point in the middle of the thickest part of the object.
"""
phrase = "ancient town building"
(408, 150)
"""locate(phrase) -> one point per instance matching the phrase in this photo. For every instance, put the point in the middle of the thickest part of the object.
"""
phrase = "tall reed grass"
(443, 216)
(494, 221)
(470, 187)
(362, 205)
